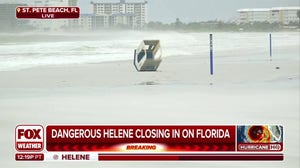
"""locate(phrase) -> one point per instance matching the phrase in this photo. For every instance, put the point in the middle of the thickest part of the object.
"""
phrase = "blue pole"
(270, 35)
(211, 54)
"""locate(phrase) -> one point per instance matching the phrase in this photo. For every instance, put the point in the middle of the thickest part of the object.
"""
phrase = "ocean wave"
(17, 53)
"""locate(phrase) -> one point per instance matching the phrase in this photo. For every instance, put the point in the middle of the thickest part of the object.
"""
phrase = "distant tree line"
(220, 26)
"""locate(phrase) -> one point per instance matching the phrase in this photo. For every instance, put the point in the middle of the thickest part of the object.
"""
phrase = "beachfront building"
(254, 15)
(283, 15)
(72, 2)
(51, 2)
(8, 19)
(85, 22)
(131, 14)
(88, 22)
(124, 19)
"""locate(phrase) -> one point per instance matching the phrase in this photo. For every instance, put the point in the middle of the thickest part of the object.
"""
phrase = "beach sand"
(181, 92)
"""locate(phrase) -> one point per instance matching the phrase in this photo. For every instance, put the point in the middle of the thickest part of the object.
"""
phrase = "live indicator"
(26, 12)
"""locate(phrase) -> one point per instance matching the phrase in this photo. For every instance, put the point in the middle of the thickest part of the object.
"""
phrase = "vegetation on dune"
(221, 26)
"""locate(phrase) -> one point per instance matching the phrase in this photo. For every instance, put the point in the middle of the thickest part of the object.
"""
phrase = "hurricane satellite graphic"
(260, 134)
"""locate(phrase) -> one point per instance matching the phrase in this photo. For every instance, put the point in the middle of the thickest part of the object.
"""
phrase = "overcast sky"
(199, 10)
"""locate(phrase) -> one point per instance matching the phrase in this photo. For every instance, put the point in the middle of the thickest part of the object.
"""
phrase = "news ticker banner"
(148, 142)
(47, 12)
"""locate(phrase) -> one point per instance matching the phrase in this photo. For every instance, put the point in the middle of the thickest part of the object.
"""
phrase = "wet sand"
(181, 92)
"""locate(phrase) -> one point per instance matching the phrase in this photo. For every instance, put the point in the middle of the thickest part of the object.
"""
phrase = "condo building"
(283, 15)
(121, 13)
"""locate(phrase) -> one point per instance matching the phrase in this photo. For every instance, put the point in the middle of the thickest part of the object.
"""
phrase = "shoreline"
(173, 70)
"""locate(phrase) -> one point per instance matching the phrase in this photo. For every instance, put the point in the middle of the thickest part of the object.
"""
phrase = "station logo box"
(29, 138)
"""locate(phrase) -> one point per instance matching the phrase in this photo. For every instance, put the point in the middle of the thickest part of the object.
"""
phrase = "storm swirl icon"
(260, 134)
